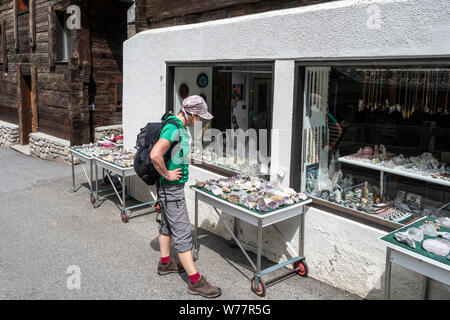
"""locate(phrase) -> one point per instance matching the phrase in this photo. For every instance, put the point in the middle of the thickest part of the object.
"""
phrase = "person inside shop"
(174, 173)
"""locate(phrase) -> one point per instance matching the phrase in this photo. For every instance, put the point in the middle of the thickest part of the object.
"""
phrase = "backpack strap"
(178, 139)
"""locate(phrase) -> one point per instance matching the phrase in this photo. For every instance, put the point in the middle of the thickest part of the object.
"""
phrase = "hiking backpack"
(146, 140)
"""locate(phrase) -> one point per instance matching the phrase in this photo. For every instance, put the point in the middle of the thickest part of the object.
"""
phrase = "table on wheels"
(418, 260)
(260, 221)
(122, 173)
(90, 161)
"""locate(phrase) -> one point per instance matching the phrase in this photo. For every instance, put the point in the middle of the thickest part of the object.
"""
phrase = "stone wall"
(49, 148)
(9, 134)
(107, 131)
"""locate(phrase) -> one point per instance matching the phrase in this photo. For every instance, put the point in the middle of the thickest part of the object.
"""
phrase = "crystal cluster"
(236, 164)
(252, 192)
(121, 157)
(95, 149)
(438, 244)
(108, 152)
(424, 164)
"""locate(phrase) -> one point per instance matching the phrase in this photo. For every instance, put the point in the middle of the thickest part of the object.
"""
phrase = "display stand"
(122, 173)
(414, 260)
(395, 172)
(88, 160)
(260, 221)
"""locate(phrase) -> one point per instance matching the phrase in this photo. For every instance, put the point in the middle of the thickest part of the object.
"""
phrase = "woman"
(169, 156)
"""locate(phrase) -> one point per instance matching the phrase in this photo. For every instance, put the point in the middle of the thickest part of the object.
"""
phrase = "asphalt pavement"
(55, 245)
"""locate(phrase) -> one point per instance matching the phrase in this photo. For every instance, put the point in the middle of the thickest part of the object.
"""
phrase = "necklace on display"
(404, 112)
(446, 98)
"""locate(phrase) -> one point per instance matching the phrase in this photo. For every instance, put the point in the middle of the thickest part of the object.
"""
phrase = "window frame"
(170, 72)
(118, 82)
(68, 36)
(299, 89)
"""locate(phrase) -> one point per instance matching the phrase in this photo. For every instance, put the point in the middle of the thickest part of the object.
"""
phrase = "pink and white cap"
(196, 105)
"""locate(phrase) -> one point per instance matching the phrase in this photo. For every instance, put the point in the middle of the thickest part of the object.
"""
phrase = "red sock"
(165, 260)
(194, 277)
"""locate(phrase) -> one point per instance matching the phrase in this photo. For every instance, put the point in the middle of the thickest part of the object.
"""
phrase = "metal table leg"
(124, 207)
(258, 259)
(387, 275)
(91, 177)
(96, 186)
(196, 244)
(425, 288)
(72, 190)
(301, 247)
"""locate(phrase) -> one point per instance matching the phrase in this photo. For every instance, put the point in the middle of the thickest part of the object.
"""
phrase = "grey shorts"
(174, 216)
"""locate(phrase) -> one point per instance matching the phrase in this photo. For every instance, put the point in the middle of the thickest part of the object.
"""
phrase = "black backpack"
(146, 139)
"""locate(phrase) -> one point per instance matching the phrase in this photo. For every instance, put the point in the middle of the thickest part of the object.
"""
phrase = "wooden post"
(32, 23)
(51, 36)
(34, 105)
(16, 33)
(4, 47)
(19, 100)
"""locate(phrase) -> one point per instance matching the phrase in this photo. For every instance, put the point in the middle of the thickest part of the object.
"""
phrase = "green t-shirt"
(176, 157)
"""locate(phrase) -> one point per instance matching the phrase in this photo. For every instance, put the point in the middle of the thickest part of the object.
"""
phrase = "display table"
(260, 220)
(88, 160)
(418, 260)
(122, 173)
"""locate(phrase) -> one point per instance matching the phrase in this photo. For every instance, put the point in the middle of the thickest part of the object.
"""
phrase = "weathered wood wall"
(64, 89)
(108, 26)
(161, 13)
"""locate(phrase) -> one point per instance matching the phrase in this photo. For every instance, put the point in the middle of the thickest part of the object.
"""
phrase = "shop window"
(22, 5)
(239, 97)
(63, 37)
(376, 140)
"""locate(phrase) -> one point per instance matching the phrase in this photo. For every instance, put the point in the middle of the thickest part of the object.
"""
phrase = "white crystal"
(436, 247)
(429, 230)
(415, 234)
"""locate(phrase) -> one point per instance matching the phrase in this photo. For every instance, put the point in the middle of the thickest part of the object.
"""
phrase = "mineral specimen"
(436, 247)
(200, 184)
(404, 238)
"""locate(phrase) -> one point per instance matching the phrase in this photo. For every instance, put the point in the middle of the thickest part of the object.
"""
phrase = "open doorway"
(25, 115)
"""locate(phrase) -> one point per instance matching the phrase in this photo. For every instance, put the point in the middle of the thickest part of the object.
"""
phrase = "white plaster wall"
(341, 252)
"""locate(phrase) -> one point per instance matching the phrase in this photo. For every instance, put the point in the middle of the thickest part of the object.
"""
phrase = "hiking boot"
(171, 267)
(203, 288)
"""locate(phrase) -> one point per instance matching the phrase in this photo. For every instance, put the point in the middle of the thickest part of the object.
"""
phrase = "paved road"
(45, 230)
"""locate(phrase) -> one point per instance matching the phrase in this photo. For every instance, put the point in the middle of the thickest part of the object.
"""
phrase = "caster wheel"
(124, 216)
(261, 290)
(301, 268)
(72, 190)
(96, 205)
(158, 208)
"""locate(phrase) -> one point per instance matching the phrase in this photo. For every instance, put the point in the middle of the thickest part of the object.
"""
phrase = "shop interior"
(376, 140)
(240, 98)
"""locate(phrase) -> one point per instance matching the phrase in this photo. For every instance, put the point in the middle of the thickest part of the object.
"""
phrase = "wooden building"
(61, 66)
(152, 14)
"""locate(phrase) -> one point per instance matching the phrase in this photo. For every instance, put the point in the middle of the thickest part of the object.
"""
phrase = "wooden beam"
(34, 97)
(20, 104)
(16, 32)
(4, 46)
(32, 23)
(51, 37)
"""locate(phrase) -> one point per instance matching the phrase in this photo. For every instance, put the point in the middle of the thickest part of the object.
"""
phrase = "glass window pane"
(376, 139)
